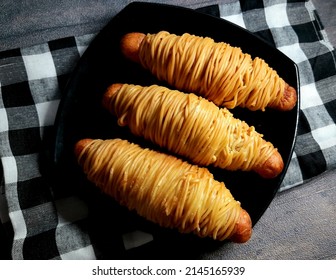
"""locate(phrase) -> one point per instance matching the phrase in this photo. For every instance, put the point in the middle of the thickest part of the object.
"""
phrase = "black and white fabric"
(43, 224)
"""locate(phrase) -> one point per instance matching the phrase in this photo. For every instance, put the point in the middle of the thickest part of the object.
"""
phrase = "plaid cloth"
(44, 224)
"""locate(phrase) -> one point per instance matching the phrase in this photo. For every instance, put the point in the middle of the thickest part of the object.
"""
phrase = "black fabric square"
(16, 95)
(305, 33)
(323, 66)
(317, 164)
(25, 141)
(63, 43)
(10, 53)
(267, 36)
(33, 192)
(40, 247)
(331, 108)
(247, 5)
(212, 10)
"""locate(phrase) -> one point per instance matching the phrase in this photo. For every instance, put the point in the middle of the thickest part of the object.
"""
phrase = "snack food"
(164, 189)
(216, 71)
(193, 127)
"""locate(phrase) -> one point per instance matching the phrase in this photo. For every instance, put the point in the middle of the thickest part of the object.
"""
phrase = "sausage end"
(80, 145)
(243, 228)
(112, 89)
(272, 167)
(130, 44)
(288, 101)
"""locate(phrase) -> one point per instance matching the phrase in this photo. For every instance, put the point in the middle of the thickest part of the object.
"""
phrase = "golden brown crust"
(130, 44)
(269, 168)
(272, 167)
(243, 228)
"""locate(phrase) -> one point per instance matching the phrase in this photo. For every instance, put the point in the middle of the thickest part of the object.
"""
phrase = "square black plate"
(81, 115)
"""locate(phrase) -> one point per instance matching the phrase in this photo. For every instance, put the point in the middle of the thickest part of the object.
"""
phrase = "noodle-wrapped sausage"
(216, 71)
(164, 189)
(193, 127)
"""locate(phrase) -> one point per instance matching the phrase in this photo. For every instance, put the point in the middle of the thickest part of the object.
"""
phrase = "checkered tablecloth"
(32, 79)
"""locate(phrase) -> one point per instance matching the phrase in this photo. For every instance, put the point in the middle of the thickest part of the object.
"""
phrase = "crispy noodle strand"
(161, 188)
(190, 126)
(216, 71)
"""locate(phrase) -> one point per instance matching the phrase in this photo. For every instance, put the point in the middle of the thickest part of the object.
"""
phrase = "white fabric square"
(276, 16)
(3, 120)
(10, 173)
(19, 225)
(294, 52)
(311, 98)
(325, 136)
(47, 112)
(39, 66)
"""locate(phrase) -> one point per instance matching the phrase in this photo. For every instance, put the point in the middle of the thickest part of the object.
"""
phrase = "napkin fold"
(41, 223)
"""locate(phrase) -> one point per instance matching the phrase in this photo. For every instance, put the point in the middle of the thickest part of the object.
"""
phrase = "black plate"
(81, 116)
